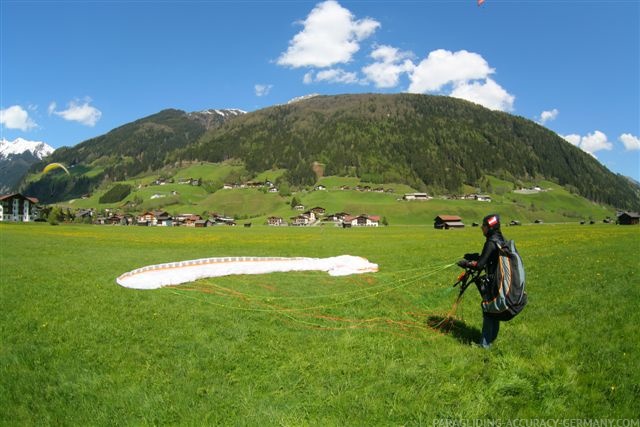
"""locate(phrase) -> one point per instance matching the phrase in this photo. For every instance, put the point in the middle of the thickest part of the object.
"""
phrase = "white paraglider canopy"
(175, 273)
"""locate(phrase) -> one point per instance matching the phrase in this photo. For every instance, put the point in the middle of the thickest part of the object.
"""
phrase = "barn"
(629, 218)
(447, 221)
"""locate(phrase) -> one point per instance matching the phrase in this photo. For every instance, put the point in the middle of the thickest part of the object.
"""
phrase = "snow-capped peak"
(20, 145)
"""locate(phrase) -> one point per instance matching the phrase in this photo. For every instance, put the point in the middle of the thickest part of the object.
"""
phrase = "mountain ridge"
(16, 157)
(432, 143)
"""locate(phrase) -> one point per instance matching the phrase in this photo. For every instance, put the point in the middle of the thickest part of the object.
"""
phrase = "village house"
(276, 221)
(222, 220)
(155, 218)
(362, 220)
(301, 220)
(18, 208)
(416, 196)
(317, 211)
(336, 218)
(447, 221)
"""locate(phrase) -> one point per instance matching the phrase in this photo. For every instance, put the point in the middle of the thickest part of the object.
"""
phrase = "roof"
(455, 224)
(630, 214)
(11, 196)
(448, 218)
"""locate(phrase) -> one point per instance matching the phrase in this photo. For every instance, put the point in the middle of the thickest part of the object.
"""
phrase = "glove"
(472, 257)
(463, 263)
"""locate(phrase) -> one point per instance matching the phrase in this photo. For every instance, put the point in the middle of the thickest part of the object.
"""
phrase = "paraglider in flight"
(52, 166)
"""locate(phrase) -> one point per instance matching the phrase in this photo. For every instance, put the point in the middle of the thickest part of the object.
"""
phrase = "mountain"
(16, 157)
(431, 143)
(134, 148)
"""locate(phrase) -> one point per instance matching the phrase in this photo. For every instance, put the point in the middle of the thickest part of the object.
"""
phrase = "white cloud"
(16, 117)
(591, 143)
(573, 139)
(547, 116)
(630, 142)
(81, 113)
(464, 75)
(443, 67)
(389, 65)
(308, 78)
(52, 107)
(330, 36)
(488, 94)
(262, 90)
(336, 75)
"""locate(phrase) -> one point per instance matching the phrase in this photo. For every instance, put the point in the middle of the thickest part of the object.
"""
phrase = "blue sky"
(72, 70)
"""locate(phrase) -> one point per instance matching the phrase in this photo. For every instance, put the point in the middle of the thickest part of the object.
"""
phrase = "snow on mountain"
(303, 97)
(38, 148)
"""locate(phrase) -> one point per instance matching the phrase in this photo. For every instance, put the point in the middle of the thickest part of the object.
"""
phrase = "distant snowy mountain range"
(15, 159)
(38, 149)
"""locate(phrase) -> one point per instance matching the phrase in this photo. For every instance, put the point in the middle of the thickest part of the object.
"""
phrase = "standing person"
(487, 260)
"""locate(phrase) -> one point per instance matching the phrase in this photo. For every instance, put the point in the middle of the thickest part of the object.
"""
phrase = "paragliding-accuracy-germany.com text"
(538, 422)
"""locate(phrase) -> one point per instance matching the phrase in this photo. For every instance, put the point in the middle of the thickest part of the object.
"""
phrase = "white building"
(18, 208)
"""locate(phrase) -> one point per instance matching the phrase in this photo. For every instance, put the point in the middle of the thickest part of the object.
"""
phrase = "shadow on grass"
(456, 328)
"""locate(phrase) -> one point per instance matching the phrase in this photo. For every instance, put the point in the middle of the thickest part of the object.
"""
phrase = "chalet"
(222, 220)
(301, 220)
(362, 220)
(311, 214)
(275, 221)
(416, 196)
(447, 221)
(337, 218)
(189, 220)
(318, 210)
(629, 218)
(161, 218)
(18, 208)
(202, 223)
(272, 190)
(299, 207)
(320, 187)
(483, 198)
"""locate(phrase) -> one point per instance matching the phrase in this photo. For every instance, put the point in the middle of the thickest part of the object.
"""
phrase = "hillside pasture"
(307, 348)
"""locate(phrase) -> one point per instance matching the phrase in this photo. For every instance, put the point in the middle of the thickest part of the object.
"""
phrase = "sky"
(73, 70)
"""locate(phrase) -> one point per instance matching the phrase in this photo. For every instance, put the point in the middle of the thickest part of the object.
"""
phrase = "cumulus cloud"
(442, 67)
(333, 75)
(389, 64)
(489, 94)
(262, 90)
(78, 112)
(16, 117)
(331, 35)
(547, 116)
(463, 75)
(631, 142)
(590, 143)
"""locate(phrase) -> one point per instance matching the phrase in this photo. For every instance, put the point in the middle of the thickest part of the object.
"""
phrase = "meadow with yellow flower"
(305, 348)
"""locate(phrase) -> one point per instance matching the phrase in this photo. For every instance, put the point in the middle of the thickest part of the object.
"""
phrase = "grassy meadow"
(305, 348)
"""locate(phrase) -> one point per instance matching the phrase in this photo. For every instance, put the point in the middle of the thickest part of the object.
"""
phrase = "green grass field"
(307, 348)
